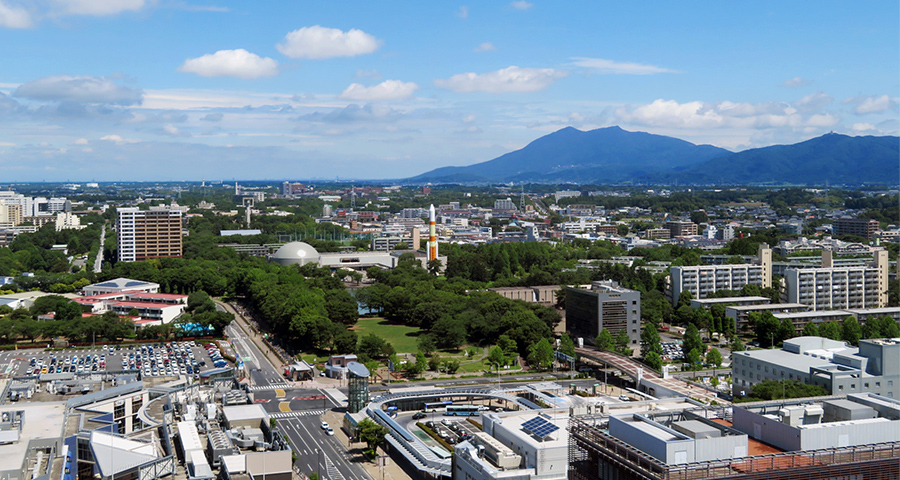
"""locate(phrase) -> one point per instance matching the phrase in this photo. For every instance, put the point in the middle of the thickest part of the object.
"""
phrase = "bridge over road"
(649, 379)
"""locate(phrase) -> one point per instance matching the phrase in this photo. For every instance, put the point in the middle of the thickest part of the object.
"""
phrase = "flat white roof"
(190, 439)
(731, 300)
(42, 420)
(559, 438)
(235, 413)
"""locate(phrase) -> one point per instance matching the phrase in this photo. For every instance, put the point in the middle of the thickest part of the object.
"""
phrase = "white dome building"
(296, 253)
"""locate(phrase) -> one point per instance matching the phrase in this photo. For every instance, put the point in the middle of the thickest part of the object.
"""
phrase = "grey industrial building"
(606, 305)
(840, 369)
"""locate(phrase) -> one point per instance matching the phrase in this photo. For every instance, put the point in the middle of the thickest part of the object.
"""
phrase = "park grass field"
(402, 337)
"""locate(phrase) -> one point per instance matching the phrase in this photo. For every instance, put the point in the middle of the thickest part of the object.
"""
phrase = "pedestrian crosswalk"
(280, 386)
(298, 413)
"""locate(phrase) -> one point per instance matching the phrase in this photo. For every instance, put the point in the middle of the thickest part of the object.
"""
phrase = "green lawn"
(402, 337)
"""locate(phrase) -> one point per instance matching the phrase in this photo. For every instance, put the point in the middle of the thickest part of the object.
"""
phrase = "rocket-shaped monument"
(432, 248)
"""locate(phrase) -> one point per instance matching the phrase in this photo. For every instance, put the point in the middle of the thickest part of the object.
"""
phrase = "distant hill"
(604, 155)
(835, 158)
(613, 155)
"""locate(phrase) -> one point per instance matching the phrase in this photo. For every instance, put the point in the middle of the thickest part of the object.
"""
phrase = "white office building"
(839, 368)
(521, 446)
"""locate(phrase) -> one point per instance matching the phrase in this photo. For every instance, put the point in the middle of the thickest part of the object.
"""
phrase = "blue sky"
(187, 89)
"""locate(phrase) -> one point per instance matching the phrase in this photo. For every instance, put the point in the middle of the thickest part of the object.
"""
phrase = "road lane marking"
(284, 406)
(279, 393)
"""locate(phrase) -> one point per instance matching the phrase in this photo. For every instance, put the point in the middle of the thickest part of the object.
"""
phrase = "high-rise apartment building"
(147, 234)
(861, 227)
(703, 280)
(830, 288)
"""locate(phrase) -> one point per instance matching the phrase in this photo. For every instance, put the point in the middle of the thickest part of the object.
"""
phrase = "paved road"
(98, 263)
(298, 412)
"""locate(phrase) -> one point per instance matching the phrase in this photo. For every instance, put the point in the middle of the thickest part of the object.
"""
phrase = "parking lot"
(152, 360)
(672, 351)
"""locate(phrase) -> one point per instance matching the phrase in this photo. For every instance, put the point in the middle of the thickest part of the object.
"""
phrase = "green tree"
(851, 331)
(830, 330)
(496, 358)
(714, 358)
(653, 360)
(567, 345)
(694, 359)
(416, 369)
(426, 344)
(810, 330)
(452, 366)
(692, 340)
(605, 340)
(507, 345)
(622, 341)
(371, 433)
(775, 389)
(650, 341)
(434, 363)
(371, 346)
(684, 299)
(737, 345)
(540, 354)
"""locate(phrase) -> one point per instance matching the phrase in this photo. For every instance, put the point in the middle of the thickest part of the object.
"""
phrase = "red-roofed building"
(151, 307)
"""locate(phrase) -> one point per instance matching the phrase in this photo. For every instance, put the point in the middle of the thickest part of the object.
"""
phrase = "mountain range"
(612, 155)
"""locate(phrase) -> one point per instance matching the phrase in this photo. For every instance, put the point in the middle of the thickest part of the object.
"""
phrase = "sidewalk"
(274, 359)
(355, 450)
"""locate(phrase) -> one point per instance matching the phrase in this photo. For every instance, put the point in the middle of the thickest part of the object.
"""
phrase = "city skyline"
(175, 90)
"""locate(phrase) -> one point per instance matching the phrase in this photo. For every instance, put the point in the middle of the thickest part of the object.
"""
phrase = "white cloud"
(373, 74)
(510, 79)
(231, 63)
(321, 42)
(7, 144)
(463, 12)
(468, 119)
(521, 5)
(213, 117)
(796, 82)
(118, 140)
(485, 47)
(386, 90)
(813, 102)
(863, 127)
(727, 115)
(80, 141)
(173, 131)
(872, 104)
(99, 7)
(79, 89)
(14, 17)
(823, 120)
(601, 65)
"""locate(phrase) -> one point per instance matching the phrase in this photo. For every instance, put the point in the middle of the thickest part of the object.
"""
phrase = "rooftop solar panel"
(540, 427)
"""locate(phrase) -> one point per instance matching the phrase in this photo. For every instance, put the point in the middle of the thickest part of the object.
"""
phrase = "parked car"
(418, 415)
